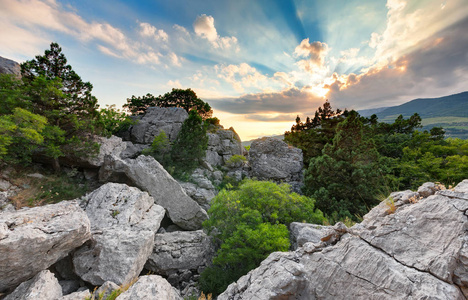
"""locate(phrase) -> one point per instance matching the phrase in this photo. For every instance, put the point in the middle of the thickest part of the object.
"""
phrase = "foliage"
(248, 224)
(113, 121)
(20, 135)
(190, 144)
(236, 161)
(159, 149)
(187, 99)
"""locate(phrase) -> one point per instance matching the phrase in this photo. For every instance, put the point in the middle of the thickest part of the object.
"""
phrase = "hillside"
(449, 112)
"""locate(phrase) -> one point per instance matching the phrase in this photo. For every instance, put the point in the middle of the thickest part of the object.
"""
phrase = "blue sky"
(258, 63)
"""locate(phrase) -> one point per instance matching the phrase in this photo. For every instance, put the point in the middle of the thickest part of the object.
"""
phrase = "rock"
(428, 189)
(36, 175)
(418, 251)
(105, 290)
(33, 239)
(155, 120)
(86, 294)
(8, 66)
(147, 174)
(273, 159)
(150, 287)
(123, 221)
(69, 286)
(202, 196)
(4, 185)
(222, 144)
(42, 286)
(302, 233)
(180, 250)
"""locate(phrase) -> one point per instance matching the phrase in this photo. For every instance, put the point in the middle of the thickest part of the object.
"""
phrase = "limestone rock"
(77, 295)
(147, 174)
(419, 250)
(123, 221)
(273, 159)
(155, 120)
(201, 195)
(150, 287)
(33, 239)
(222, 144)
(106, 289)
(180, 250)
(8, 66)
(302, 233)
(428, 188)
(42, 286)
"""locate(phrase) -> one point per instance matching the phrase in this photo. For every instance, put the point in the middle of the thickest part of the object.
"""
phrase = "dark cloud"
(289, 101)
(438, 67)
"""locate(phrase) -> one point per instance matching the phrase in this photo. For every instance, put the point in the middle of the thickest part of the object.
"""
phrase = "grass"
(52, 188)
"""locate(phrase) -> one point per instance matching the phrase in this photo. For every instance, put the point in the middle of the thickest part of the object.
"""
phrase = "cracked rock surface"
(124, 221)
(148, 174)
(419, 251)
(33, 239)
(42, 286)
(150, 287)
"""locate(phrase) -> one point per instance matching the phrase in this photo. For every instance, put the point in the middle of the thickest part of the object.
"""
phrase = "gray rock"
(273, 159)
(180, 250)
(418, 251)
(302, 233)
(105, 290)
(69, 286)
(36, 175)
(80, 295)
(8, 66)
(4, 185)
(150, 287)
(202, 196)
(42, 286)
(155, 120)
(428, 189)
(33, 239)
(123, 221)
(146, 173)
(222, 144)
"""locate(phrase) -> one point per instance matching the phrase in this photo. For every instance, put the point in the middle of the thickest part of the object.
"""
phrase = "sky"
(258, 63)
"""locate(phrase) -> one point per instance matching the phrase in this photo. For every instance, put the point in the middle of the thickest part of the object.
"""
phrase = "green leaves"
(250, 223)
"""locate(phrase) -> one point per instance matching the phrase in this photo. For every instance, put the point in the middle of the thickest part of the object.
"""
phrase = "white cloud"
(174, 84)
(175, 59)
(204, 28)
(147, 30)
(242, 76)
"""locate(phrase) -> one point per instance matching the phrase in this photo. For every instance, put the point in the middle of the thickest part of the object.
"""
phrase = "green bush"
(159, 148)
(236, 161)
(248, 224)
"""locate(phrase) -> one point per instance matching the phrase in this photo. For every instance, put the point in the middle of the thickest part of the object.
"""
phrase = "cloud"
(147, 30)
(204, 28)
(175, 59)
(272, 117)
(174, 84)
(292, 100)
(181, 29)
(314, 52)
(37, 16)
(437, 66)
(241, 76)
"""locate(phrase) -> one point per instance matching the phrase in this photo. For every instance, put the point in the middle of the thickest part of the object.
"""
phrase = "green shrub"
(248, 224)
(236, 161)
(159, 148)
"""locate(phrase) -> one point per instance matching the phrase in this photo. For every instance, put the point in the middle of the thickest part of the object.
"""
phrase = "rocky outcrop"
(155, 120)
(33, 239)
(42, 286)
(124, 221)
(86, 294)
(147, 174)
(273, 159)
(414, 251)
(150, 287)
(180, 255)
(222, 144)
(105, 290)
(8, 66)
(301, 233)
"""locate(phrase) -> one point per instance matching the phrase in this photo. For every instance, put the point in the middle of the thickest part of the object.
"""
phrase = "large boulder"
(8, 66)
(124, 221)
(154, 121)
(414, 251)
(222, 144)
(273, 159)
(148, 174)
(32, 239)
(42, 286)
(175, 253)
(150, 287)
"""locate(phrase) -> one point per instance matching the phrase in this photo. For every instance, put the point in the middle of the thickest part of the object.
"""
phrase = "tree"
(250, 223)
(347, 177)
(187, 99)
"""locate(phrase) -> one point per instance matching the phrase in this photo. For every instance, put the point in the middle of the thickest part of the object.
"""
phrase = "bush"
(248, 224)
(236, 161)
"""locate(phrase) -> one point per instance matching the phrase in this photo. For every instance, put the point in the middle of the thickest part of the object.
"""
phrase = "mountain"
(449, 112)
